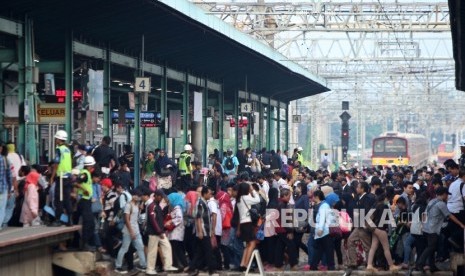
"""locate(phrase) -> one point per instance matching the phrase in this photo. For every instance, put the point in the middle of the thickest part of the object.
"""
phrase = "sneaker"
(141, 268)
(306, 267)
(170, 269)
(119, 270)
(150, 272)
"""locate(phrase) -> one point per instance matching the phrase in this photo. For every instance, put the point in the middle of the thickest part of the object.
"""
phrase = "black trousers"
(203, 254)
(456, 232)
(66, 203)
(179, 254)
(84, 210)
(323, 246)
(299, 244)
(217, 253)
(283, 243)
(428, 253)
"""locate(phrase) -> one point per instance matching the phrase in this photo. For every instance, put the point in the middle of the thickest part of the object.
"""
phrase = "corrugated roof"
(177, 33)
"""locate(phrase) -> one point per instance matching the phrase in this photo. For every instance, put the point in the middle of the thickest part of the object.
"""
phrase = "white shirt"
(265, 187)
(284, 158)
(214, 209)
(245, 204)
(454, 202)
(16, 161)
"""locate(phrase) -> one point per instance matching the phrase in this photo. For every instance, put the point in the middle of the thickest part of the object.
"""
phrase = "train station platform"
(29, 251)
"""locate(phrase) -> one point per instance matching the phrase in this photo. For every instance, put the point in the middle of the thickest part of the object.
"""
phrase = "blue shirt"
(322, 220)
(5, 175)
(234, 160)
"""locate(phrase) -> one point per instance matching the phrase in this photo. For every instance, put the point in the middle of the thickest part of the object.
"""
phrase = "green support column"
(136, 139)
(185, 110)
(107, 126)
(21, 143)
(278, 129)
(236, 119)
(204, 123)
(286, 141)
(163, 110)
(221, 120)
(31, 128)
(268, 126)
(69, 84)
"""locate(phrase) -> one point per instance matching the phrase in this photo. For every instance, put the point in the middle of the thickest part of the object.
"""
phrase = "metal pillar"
(69, 84)
(31, 127)
(268, 126)
(286, 133)
(21, 143)
(260, 126)
(278, 129)
(204, 124)
(163, 110)
(236, 119)
(136, 139)
(185, 109)
(107, 126)
(221, 120)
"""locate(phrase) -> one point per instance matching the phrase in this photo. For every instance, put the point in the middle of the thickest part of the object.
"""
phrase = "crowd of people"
(183, 217)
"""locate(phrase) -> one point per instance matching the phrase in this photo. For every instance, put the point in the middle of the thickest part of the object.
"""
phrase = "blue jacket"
(322, 219)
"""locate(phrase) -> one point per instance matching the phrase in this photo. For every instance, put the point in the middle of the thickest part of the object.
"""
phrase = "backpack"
(229, 163)
(325, 163)
(117, 209)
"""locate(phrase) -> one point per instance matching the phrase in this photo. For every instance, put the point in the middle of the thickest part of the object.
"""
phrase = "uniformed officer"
(61, 169)
(84, 189)
(300, 157)
(185, 169)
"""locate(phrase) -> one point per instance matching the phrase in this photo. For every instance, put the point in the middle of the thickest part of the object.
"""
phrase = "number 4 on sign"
(142, 85)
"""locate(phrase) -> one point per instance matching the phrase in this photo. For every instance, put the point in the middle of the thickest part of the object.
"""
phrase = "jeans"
(137, 243)
(3, 201)
(84, 210)
(236, 247)
(97, 225)
(408, 243)
(10, 207)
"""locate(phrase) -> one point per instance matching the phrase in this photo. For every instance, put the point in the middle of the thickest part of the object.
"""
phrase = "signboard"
(297, 119)
(174, 127)
(246, 107)
(147, 119)
(51, 113)
(142, 85)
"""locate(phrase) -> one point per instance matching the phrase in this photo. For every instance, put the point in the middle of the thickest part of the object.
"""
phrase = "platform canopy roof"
(177, 33)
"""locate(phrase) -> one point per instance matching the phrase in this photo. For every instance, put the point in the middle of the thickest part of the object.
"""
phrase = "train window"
(379, 145)
(396, 145)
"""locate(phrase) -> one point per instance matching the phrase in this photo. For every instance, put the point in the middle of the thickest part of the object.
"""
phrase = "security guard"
(84, 207)
(61, 169)
(300, 157)
(185, 169)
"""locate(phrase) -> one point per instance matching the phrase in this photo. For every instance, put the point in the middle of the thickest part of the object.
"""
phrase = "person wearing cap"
(61, 169)
(185, 168)
(436, 212)
(230, 164)
(84, 189)
(131, 233)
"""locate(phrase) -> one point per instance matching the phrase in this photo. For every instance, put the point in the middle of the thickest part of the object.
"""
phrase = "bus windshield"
(390, 147)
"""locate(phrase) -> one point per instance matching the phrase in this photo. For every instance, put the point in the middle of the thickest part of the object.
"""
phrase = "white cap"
(89, 161)
(462, 143)
(300, 149)
(61, 135)
(187, 147)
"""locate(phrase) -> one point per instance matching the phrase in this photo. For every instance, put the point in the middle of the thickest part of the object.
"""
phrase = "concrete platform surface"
(15, 235)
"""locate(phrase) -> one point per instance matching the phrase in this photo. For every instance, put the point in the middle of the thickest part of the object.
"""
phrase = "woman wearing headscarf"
(226, 210)
(176, 236)
(30, 210)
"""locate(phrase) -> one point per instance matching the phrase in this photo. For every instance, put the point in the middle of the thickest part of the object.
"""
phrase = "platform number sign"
(246, 107)
(297, 119)
(142, 85)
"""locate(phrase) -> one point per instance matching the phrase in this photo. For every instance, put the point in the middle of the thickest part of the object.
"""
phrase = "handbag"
(96, 207)
(153, 183)
(253, 213)
(261, 232)
(226, 223)
(170, 227)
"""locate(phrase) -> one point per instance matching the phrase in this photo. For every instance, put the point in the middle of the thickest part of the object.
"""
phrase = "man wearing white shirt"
(455, 205)
(217, 223)
(264, 185)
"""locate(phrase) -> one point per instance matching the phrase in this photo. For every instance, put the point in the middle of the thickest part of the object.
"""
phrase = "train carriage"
(401, 149)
